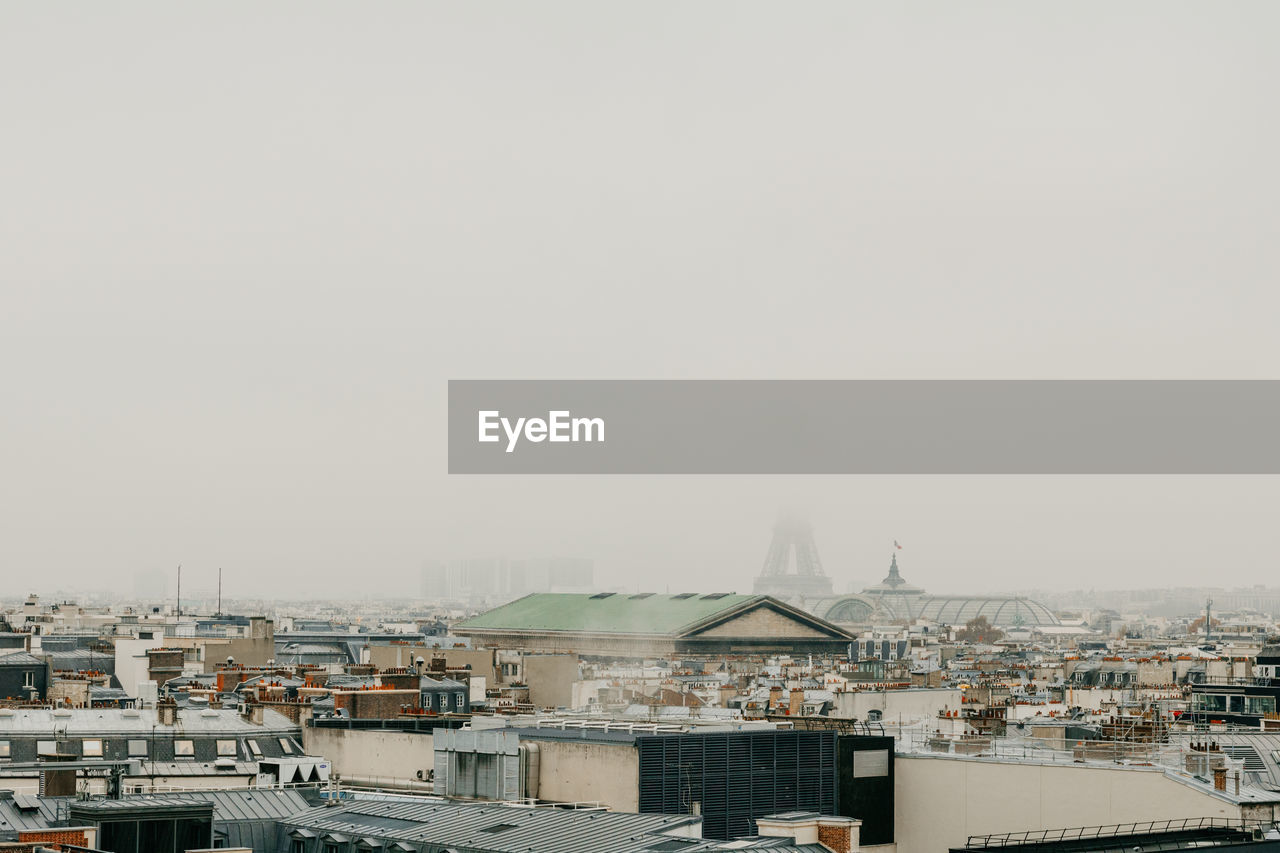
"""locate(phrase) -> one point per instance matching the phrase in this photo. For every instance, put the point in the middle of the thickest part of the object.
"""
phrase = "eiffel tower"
(793, 537)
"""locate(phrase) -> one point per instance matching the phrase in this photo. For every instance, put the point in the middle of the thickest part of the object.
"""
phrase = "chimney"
(775, 698)
(166, 712)
(797, 700)
(840, 834)
(1220, 778)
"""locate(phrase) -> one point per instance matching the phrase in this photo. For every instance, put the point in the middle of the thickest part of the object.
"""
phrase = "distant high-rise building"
(551, 574)
(501, 578)
(152, 585)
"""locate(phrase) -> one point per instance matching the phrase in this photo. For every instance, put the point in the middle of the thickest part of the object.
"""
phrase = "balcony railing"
(1122, 830)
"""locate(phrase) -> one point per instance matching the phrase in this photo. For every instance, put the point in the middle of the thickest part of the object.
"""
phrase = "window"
(29, 678)
(1261, 704)
(299, 846)
(137, 749)
(1208, 702)
(4, 749)
(184, 749)
(91, 748)
(286, 746)
(254, 749)
(330, 848)
(227, 749)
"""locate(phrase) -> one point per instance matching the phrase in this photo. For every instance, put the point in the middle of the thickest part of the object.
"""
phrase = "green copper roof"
(619, 613)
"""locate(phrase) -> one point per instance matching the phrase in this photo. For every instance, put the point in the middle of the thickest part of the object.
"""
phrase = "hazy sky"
(243, 247)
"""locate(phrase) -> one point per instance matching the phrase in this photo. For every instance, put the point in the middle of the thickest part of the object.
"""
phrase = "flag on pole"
(896, 545)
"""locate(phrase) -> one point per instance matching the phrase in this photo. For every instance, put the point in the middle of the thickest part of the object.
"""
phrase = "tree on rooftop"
(1197, 626)
(979, 630)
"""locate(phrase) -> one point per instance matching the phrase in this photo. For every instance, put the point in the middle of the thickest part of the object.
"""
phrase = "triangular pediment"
(762, 621)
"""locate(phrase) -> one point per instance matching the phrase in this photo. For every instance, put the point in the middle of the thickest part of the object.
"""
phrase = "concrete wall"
(939, 802)
(580, 771)
(570, 771)
(212, 652)
(551, 678)
(203, 783)
(373, 753)
(131, 662)
(374, 704)
(72, 692)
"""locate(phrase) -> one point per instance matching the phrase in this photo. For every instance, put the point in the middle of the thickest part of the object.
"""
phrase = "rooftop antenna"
(179, 590)
(219, 590)
(1208, 621)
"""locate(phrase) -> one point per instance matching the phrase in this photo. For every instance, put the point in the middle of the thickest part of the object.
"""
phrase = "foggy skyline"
(243, 248)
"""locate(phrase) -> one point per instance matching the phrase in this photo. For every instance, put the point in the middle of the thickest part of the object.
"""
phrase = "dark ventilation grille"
(737, 777)
(602, 595)
(499, 827)
(684, 595)
(636, 597)
(715, 595)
